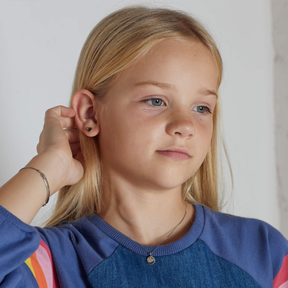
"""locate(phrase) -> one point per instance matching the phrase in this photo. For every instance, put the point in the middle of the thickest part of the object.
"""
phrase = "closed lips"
(176, 150)
(175, 154)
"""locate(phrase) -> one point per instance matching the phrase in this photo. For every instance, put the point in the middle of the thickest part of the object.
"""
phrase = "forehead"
(175, 62)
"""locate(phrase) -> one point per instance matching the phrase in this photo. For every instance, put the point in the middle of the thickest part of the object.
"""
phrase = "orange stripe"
(39, 275)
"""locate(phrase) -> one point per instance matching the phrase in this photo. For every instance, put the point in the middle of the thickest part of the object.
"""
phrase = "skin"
(24, 194)
(142, 188)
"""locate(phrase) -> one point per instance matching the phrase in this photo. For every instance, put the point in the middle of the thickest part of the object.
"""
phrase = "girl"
(135, 160)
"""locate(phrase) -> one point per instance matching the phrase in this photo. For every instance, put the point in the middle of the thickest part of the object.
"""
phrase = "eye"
(154, 101)
(202, 109)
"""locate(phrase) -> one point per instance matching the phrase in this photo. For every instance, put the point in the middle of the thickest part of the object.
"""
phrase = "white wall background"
(40, 41)
(280, 39)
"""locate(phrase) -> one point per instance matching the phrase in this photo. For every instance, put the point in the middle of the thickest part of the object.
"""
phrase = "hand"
(60, 141)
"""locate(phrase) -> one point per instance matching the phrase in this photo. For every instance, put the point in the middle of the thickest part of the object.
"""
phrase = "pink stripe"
(44, 258)
(284, 285)
(281, 279)
(44, 245)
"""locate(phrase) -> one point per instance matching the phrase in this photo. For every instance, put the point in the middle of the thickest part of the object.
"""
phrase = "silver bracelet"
(44, 180)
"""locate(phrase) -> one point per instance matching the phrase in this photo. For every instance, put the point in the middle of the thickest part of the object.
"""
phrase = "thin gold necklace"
(150, 259)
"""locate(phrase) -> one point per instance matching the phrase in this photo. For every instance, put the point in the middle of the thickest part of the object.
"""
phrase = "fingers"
(73, 138)
(67, 122)
(75, 149)
(60, 111)
(61, 114)
(72, 135)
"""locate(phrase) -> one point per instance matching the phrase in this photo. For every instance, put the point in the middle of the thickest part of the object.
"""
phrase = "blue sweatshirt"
(219, 250)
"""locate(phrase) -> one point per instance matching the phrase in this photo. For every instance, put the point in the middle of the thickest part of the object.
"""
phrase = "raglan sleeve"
(25, 259)
(281, 278)
(279, 255)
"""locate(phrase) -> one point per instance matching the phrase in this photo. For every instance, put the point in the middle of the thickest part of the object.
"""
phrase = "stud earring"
(89, 129)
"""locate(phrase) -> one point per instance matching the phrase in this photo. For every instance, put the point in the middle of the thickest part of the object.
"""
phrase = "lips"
(175, 153)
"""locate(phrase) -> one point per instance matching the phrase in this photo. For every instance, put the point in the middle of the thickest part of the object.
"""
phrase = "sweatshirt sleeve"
(253, 245)
(25, 259)
(281, 279)
(279, 257)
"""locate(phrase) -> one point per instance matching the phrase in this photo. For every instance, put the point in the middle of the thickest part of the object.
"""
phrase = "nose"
(181, 125)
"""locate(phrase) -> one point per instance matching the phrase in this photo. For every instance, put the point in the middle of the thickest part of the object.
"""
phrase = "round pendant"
(150, 260)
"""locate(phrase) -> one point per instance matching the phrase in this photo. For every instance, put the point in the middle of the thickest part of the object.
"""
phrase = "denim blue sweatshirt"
(219, 250)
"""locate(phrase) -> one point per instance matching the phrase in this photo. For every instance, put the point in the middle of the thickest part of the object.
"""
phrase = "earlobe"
(84, 104)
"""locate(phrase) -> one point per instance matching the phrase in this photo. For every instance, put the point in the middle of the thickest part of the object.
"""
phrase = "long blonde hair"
(112, 46)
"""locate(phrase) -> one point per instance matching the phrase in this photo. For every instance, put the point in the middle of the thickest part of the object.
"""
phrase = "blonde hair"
(115, 44)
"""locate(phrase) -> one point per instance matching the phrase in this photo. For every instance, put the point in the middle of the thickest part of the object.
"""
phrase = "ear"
(84, 104)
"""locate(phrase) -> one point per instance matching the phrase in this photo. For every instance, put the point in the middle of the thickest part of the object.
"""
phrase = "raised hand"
(60, 140)
(25, 193)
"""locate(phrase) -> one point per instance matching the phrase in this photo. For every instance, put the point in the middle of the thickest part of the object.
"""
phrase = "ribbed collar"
(172, 248)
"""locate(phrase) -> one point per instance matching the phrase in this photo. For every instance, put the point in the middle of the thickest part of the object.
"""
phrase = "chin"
(170, 183)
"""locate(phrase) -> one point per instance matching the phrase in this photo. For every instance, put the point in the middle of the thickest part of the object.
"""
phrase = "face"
(156, 123)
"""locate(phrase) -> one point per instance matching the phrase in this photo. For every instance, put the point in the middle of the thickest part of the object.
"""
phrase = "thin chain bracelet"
(44, 180)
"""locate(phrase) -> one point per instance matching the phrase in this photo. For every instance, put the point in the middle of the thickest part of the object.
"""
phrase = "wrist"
(52, 167)
(45, 181)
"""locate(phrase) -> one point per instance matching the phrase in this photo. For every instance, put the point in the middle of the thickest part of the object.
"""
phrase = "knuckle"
(48, 112)
(51, 110)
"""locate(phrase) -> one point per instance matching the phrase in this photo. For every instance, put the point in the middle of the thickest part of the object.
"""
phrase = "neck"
(147, 217)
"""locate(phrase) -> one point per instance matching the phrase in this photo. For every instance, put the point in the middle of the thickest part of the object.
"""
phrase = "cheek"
(110, 132)
(205, 132)
(122, 131)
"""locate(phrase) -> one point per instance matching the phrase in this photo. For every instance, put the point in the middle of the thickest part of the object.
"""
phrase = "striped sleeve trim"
(41, 265)
(281, 279)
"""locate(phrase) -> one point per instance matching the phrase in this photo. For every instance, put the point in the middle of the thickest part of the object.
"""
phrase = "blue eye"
(154, 101)
(202, 109)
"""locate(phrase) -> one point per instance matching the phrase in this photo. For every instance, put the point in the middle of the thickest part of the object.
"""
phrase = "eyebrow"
(154, 83)
(207, 92)
(203, 91)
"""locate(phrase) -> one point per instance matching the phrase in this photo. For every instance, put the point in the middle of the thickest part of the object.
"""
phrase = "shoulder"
(255, 246)
(73, 237)
(81, 245)
(238, 229)
(243, 225)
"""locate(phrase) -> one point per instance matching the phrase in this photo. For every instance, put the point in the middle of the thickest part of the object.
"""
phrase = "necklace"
(150, 259)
